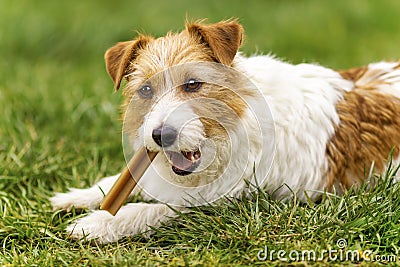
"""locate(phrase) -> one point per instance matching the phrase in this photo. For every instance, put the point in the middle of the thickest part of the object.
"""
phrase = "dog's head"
(182, 98)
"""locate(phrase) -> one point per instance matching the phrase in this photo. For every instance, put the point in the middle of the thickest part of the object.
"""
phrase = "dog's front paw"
(134, 218)
(78, 198)
(97, 226)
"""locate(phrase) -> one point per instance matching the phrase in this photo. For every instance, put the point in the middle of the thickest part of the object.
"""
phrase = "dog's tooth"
(192, 158)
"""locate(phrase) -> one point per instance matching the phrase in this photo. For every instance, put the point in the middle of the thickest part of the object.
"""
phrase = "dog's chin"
(184, 162)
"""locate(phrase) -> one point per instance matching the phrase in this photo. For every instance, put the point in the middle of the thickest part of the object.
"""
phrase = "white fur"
(302, 101)
(384, 76)
(131, 219)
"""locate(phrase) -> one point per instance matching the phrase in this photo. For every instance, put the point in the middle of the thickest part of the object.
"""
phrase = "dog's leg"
(83, 198)
(132, 219)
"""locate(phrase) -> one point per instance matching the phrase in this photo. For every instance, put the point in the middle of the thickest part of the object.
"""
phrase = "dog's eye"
(146, 91)
(192, 85)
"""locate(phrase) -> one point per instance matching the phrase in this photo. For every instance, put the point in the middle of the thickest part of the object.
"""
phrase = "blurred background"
(58, 114)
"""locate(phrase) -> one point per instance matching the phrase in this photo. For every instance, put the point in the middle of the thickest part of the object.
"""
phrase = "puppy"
(222, 122)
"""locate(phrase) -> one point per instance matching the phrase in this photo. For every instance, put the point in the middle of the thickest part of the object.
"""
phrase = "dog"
(222, 122)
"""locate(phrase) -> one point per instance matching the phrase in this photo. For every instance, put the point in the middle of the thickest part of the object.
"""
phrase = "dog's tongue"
(180, 161)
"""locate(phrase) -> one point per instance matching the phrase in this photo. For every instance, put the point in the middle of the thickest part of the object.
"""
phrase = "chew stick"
(127, 181)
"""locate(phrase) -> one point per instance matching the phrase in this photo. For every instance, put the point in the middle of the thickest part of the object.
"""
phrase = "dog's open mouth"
(185, 162)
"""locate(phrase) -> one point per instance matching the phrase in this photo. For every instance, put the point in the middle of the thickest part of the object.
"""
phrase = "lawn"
(60, 128)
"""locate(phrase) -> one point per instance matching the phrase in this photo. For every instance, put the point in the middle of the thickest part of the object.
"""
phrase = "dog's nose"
(164, 136)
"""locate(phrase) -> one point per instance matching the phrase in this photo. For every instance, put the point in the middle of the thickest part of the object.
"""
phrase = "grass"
(59, 128)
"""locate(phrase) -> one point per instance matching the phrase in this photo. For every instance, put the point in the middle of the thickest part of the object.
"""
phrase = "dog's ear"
(120, 55)
(224, 38)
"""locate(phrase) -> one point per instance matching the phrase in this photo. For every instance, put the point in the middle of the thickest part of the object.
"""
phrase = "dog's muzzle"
(183, 162)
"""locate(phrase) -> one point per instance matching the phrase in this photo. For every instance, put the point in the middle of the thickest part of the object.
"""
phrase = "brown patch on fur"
(368, 78)
(369, 128)
(222, 99)
(219, 110)
(224, 38)
(214, 129)
(353, 74)
(119, 56)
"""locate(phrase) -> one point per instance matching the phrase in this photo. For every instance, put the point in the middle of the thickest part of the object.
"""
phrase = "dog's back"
(369, 123)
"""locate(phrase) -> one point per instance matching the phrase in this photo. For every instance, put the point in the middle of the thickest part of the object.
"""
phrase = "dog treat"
(127, 181)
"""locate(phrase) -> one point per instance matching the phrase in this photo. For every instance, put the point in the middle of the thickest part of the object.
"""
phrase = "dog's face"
(182, 99)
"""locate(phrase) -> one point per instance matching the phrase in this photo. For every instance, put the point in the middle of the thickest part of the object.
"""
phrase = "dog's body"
(328, 126)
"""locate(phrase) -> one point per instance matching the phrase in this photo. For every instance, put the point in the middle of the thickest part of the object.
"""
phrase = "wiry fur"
(328, 126)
